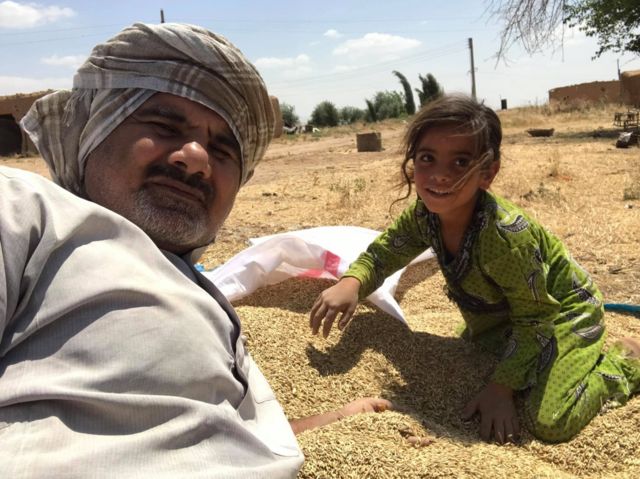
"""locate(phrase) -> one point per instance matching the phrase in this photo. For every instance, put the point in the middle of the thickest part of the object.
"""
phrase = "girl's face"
(443, 156)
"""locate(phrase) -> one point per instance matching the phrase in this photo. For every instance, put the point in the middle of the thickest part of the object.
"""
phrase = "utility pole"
(161, 15)
(473, 70)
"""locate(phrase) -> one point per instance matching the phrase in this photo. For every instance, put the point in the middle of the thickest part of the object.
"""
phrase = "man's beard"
(167, 220)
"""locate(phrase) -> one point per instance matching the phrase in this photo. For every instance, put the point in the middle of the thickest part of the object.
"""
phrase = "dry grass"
(582, 188)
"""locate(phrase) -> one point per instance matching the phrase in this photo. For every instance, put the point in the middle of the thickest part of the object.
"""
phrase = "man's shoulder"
(23, 190)
(8, 172)
(25, 182)
(32, 203)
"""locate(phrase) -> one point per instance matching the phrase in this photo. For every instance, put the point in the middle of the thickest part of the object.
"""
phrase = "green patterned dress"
(518, 287)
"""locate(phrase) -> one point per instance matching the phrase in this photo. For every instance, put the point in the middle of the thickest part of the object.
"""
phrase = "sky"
(343, 51)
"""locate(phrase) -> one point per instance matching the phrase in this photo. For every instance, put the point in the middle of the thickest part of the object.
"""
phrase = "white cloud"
(376, 45)
(272, 62)
(291, 67)
(331, 33)
(12, 85)
(72, 61)
(344, 68)
(27, 15)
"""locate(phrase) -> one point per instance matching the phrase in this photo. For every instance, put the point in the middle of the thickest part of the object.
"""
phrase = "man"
(117, 358)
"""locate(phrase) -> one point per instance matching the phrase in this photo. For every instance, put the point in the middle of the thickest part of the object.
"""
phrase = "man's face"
(172, 168)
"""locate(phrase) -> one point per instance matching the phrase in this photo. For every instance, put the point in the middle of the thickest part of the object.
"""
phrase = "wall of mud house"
(626, 91)
(597, 91)
(12, 108)
(631, 88)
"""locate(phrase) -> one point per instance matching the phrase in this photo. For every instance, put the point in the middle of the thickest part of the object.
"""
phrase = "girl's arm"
(532, 312)
(391, 250)
(547, 292)
(524, 264)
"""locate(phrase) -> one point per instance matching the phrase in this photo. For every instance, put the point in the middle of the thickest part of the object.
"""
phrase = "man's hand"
(498, 415)
(368, 404)
(341, 298)
(360, 405)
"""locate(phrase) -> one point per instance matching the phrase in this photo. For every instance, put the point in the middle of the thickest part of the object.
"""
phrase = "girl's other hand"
(498, 415)
(341, 298)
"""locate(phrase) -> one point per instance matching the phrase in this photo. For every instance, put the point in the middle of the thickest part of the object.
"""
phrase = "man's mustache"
(175, 173)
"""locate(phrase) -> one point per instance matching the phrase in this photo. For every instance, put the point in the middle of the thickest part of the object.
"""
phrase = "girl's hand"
(340, 298)
(498, 413)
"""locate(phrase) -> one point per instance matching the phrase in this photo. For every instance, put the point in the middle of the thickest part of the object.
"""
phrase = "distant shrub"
(325, 114)
(350, 114)
(371, 114)
(289, 117)
(431, 89)
(409, 104)
(385, 104)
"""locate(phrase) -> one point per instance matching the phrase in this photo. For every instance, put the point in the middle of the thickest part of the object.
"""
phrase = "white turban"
(121, 74)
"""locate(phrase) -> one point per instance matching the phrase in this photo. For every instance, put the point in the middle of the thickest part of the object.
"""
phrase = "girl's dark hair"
(467, 116)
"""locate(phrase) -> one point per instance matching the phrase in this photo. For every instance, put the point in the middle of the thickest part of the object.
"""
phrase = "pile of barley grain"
(429, 374)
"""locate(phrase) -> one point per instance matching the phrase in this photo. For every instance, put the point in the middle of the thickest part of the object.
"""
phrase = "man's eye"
(222, 155)
(164, 130)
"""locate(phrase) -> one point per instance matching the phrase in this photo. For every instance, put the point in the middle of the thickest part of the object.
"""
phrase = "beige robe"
(118, 359)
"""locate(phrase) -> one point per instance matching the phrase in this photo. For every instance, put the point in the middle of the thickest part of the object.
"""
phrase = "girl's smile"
(436, 192)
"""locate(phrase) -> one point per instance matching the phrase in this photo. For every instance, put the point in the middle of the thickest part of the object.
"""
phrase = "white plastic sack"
(324, 252)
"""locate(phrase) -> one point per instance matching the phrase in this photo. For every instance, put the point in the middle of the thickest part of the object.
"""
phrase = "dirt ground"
(581, 187)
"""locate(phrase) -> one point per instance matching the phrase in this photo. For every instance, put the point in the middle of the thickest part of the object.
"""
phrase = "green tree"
(534, 23)
(409, 105)
(372, 115)
(325, 114)
(431, 89)
(389, 104)
(351, 114)
(615, 23)
(289, 117)
(385, 104)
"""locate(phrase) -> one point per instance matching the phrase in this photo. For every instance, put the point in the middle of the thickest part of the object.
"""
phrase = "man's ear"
(489, 174)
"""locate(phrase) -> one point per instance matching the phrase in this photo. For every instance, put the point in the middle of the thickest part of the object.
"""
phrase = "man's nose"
(192, 158)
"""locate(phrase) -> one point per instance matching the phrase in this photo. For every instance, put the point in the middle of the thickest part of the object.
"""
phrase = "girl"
(512, 280)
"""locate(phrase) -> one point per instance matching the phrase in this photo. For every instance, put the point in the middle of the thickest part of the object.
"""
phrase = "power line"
(58, 30)
(48, 40)
(376, 67)
(226, 29)
(290, 20)
(321, 32)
